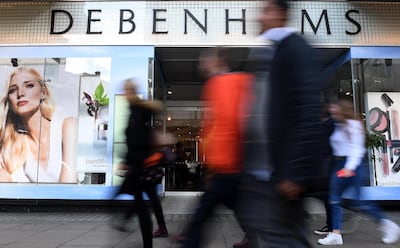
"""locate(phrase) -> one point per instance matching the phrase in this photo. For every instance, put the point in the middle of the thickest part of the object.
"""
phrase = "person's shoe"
(242, 244)
(390, 231)
(161, 232)
(322, 231)
(331, 239)
(120, 227)
(180, 238)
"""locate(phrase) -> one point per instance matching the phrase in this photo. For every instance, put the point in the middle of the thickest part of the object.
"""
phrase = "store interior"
(179, 84)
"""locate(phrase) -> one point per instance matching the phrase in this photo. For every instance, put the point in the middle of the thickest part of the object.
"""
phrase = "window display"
(383, 120)
(58, 105)
(382, 105)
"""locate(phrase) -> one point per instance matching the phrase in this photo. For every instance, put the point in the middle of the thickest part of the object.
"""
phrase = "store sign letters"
(127, 24)
(324, 16)
(62, 21)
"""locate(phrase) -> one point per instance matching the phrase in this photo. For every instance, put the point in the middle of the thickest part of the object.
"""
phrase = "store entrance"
(178, 84)
(188, 171)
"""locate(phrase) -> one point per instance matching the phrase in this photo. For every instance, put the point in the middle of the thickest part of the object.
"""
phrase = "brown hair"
(347, 108)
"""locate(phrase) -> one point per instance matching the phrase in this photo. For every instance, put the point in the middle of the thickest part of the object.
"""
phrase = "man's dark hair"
(282, 4)
(234, 57)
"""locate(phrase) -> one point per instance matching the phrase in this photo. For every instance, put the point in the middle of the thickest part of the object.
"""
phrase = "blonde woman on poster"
(35, 146)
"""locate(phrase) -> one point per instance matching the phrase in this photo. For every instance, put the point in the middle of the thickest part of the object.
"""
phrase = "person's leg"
(145, 221)
(335, 202)
(121, 218)
(247, 241)
(274, 221)
(209, 199)
(336, 188)
(363, 206)
(231, 188)
(323, 195)
(390, 230)
(162, 231)
(328, 215)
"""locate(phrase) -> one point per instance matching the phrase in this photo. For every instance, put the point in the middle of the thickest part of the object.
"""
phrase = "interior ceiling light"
(169, 92)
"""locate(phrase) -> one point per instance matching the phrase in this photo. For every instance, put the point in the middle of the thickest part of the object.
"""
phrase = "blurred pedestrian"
(140, 141)
(325, 150)
(224, 93)
(348, 144)
(281, 134)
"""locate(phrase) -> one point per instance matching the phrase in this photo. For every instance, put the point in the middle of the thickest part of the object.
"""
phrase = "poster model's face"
(24, 93)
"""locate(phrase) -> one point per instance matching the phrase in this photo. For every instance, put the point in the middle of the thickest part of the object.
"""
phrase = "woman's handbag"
(153, 174)
(153, 171)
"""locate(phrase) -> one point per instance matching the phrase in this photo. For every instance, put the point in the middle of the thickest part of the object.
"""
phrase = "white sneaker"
(331, 239)
(390, 231)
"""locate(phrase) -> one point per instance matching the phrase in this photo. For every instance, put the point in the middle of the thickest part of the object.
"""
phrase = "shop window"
(378, 99)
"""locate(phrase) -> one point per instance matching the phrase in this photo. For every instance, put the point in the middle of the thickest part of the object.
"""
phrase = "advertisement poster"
(94, 96)
(60, 109)
(383, 110)
(38, 121)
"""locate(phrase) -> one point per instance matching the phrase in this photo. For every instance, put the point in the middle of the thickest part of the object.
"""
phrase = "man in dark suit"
(281, 139)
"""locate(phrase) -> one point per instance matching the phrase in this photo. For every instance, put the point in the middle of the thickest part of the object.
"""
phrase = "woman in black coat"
(140, 144)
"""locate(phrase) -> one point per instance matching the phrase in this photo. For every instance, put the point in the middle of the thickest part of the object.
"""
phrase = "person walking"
(322, 192)
(224, 94)
(348, 145)
(281, 135)
(140, 143)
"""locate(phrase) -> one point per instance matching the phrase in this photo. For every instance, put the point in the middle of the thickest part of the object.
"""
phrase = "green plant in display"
(375, 140)
(100, 96)
(98, 100)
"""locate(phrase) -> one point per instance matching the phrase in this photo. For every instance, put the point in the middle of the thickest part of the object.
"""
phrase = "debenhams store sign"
(192, 22)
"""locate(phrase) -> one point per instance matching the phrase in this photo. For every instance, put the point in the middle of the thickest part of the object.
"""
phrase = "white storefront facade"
(93, 46)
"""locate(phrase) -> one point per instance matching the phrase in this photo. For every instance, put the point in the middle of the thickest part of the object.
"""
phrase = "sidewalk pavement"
(93, 229)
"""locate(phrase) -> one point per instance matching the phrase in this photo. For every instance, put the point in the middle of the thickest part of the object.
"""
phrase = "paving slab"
(94, 229)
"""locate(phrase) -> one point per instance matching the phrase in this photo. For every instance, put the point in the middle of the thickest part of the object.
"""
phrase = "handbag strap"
(153, 159)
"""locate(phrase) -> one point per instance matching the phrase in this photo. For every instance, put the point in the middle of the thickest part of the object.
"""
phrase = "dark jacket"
(327, 128)
(139, 142)
(294, 107)
(138, 135)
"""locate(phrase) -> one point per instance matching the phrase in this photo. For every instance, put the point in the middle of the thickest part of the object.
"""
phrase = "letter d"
(53, 17)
